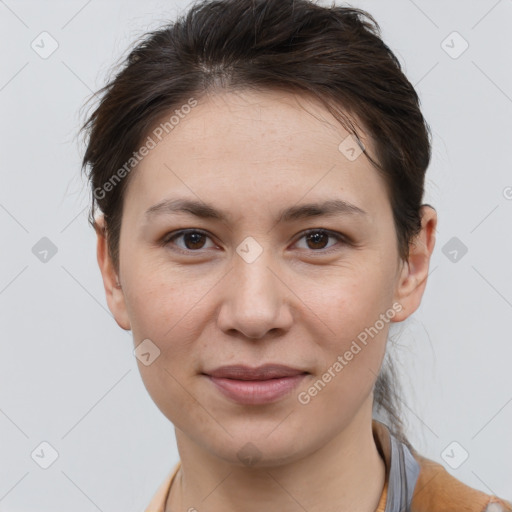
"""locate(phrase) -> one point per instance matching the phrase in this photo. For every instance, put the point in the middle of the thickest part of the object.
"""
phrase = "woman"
(257, 171)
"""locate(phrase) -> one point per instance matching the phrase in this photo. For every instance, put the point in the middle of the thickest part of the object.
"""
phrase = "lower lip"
(255, 392)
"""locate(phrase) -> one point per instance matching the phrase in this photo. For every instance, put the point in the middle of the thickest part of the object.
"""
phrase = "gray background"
(68, 373)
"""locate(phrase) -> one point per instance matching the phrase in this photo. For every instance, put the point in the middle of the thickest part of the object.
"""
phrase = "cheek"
(173, 394)
(161, 312)
(160, 300)
(354, 306)
(351, 353)
(348, 301)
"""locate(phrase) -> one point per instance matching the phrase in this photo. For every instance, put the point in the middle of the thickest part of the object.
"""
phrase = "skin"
(300, 303)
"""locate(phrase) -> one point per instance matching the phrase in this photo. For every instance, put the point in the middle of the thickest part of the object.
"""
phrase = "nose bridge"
(255, 301)
(254, 282)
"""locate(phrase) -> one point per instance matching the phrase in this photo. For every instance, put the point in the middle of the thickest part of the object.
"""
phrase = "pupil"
(316, 238)
(194, 238)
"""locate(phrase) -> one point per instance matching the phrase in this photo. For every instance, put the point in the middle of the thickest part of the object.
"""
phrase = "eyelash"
(170, 237)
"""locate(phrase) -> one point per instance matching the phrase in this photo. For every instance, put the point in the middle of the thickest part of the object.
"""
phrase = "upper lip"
(242, 372)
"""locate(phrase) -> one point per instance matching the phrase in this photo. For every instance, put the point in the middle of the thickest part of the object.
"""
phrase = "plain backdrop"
(68, 376)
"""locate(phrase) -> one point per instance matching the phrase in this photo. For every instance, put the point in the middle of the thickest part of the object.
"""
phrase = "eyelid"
(169, 237)
(341, 238)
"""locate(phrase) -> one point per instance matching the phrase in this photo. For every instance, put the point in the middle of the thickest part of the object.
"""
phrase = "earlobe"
(414, 272)
(113, 289)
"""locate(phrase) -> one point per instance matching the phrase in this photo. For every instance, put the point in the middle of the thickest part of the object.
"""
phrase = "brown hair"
(334, 54)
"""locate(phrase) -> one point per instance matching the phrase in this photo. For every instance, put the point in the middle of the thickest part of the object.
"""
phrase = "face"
(254, 274)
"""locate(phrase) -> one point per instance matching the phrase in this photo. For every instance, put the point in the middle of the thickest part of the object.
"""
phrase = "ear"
(113, 290)
(414, 272)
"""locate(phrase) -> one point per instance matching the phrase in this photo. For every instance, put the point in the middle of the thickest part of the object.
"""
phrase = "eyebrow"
(206, 211)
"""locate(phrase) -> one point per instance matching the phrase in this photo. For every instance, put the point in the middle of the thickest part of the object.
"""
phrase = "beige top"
(158, 501)
(435, 490)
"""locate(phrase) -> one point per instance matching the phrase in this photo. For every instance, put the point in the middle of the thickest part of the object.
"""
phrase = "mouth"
(254, 386)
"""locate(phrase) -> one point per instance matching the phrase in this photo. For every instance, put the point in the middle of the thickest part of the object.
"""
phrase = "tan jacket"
(432, 488)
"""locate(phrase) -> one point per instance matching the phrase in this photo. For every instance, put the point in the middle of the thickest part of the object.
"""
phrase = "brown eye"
(194, 240)
(318, 239)
(189, 240)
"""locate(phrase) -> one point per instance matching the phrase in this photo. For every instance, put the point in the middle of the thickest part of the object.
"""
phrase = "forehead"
(260, 117)
(260, 144)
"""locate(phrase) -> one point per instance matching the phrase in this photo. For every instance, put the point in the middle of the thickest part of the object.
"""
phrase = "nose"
(255, 301)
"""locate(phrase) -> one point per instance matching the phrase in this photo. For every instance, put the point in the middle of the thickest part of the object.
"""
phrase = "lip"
(253, 386)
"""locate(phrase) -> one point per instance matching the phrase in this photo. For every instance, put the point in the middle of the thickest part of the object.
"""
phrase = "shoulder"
(439, 491)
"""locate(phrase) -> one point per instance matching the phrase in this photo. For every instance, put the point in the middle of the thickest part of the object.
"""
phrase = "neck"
(345, 474)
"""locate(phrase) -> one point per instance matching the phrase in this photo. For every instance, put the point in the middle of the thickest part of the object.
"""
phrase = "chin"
(255, 448)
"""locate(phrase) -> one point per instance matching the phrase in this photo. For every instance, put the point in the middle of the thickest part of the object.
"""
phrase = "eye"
(192, 239)
(195, 240)
(318, 239)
